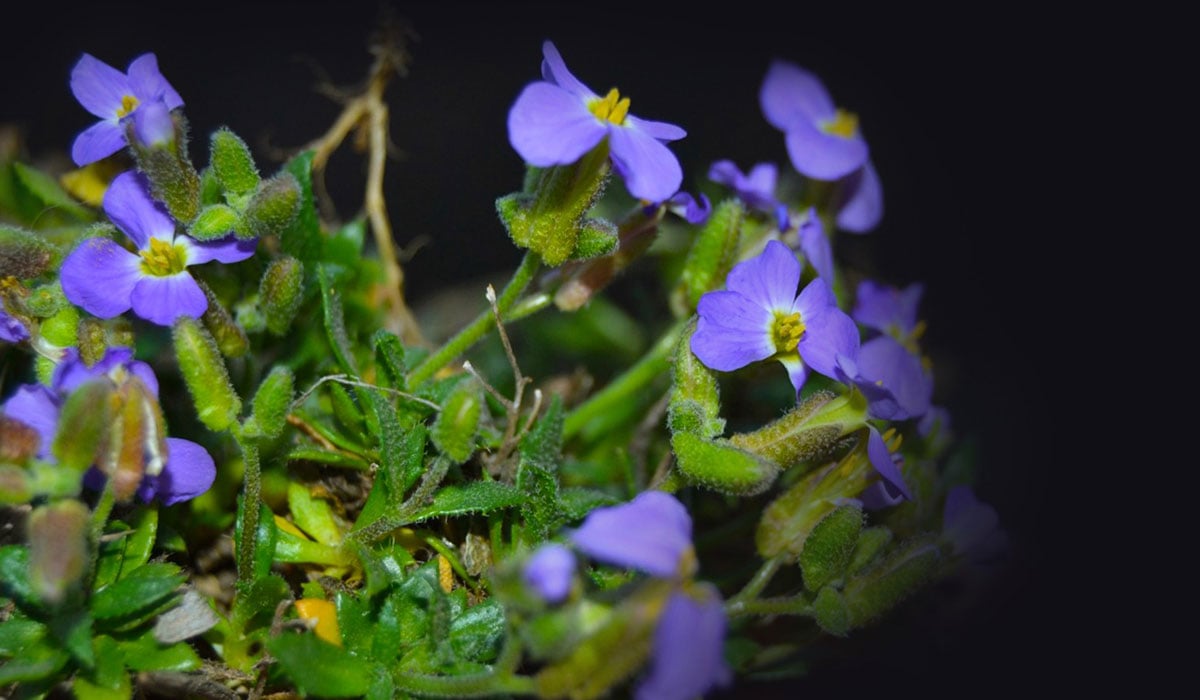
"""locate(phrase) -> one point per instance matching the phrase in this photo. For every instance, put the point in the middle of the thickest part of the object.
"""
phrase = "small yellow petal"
(324, 614)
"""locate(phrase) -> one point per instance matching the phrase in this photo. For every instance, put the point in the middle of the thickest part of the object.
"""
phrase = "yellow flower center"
(128, 104)
(162, 259)
(844, 124)
(611, 108)
(786, 331)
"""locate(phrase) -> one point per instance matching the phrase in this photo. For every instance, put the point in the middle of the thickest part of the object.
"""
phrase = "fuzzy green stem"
(756, 585)
(100, 515)
(251, 504)
(652, 364)
(483, 323)
(770, 606)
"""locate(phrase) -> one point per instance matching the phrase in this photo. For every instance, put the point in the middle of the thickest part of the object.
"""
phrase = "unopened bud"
(809, 431)
(204, 372)
(214, 221)
(24, 254)
(58, 548)
(18, 441)
(721, 466)
(232, 163)
(280, 293)
(272, 208)
(173, 179)
(711, 257)
(231, 339)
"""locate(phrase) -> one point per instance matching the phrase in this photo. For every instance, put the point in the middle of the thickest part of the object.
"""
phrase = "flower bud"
(695, 400)
(58, 548)
(722, 466)
(711, 257)
(807, 432)
(173, 179)
(92, 339)
(271, 209)
(271, 402)
(280, 293)
(214, 221)
(457, 424)
(204, 372)
(24, 254)
(18, 441)
(882, 587)
(230, 338)
(232, 163)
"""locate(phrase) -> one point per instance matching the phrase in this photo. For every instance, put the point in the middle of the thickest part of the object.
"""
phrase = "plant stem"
(474, 331)
(756, 584)
(652, 364)
(251, 504)
(770, 606)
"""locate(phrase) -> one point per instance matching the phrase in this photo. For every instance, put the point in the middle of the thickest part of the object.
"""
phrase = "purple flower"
(663, 534)
(891, 488)
(815, 245)
(694, 211)
(106, 280)
(688, 647)
(823, 141)
(972, 526)
(184, 472)
(756, 189)
(558, 119)
(549, 572)
(11, 330)
(759, 316)
(114, 96)
(860, 200)
(889, 309)
(894, 380)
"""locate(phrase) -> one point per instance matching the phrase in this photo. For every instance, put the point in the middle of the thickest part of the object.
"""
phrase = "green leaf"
(214, 221)
(144, 653)
(456, 426)
(14, 577)
(829, 547)
(335, 322)
(537, 474)
(319, 668)
(48, 192)
(578, 502)
(109, 680)
(139, 543)
(345, 246)
(302, 239)
(389, 358)
(258, 601)
(37, 662)
(312, 515)
(73, 630)
(473, 497)
(139, 592)
(384, 566)
(477, 634)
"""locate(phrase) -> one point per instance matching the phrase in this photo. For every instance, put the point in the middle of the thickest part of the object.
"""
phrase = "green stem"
(483, 323)
(756, 585)
(251, 504)
(100, 515)
(620, 389)
(769, 606)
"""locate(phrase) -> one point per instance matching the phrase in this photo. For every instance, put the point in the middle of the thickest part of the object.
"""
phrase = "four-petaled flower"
(558, 119)
(759, 316)
(824, 142)
(114, 97)
(106, 280)
(183, 472)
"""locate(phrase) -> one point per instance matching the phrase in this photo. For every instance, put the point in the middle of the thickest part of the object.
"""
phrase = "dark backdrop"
(949, 100)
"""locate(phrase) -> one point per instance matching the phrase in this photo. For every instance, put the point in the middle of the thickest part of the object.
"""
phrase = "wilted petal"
(99, 87)
(768, 279)
(790, 94)
(554, 70)
(689, 644)
(11, 330)
(884, 462)
(99, 140)
(823, 156)
(650, 170)
(129, 204)
(226, 250)
(862, 201)
(650, 533)
(161, 300)
(34, 405)
(549, 572)
(189, 472)
(148, 83)
(659, 130)
(732, 332)
(549, 126)
(815, 246)
(100, 276)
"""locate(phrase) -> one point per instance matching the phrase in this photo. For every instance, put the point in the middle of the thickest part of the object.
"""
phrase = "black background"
(953, 103)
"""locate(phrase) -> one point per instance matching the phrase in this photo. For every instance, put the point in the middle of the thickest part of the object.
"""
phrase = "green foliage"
(46, 194)
(829, 546)
(302, 238)
(457, 424)
(537, 475)
(320, 668)
(264, 541)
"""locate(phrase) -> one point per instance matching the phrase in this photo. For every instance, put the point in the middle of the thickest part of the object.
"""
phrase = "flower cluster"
(141, 95)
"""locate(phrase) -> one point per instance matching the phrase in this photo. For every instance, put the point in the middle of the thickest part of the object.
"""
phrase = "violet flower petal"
(554, 71)
(884, 463)
(100, 276)
(693, 210)
(128, 203)
(549, 126)
(823, 156)
(148, 83)
(650, 170)
(885, 364)
(880, 495)
(768, 279)
(886, 308)
(757, 189)
(549, 572)
(827, 336)
(188, 472)
(797, 371)
(791, 94)
(71, 371)
(11, 330)
(225, 250)
(862, 201)
(35, 406)
(815, 246)
(99, 140)
(732, 331)
(649, 533)
(689, 646)
(658, 130)
(162, 300)
(99, 87)
(152, 124)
